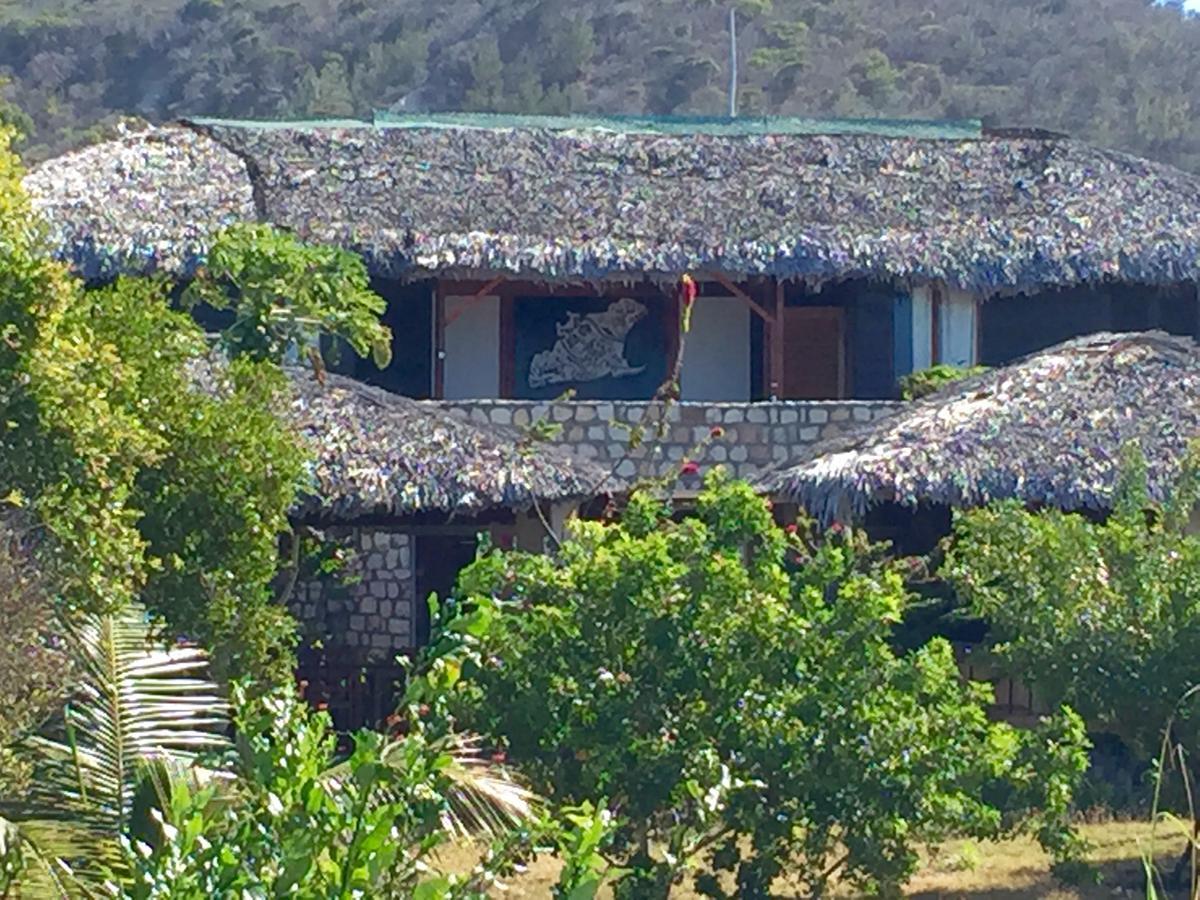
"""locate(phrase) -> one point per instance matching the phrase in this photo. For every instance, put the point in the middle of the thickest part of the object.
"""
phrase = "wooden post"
(439, 341)
(935, 325)
(775, 378)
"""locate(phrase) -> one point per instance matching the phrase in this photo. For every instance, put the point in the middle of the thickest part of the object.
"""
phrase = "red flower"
(836, 528)
(690, 467)
(791, 529)
(717, 432)
(688, 289)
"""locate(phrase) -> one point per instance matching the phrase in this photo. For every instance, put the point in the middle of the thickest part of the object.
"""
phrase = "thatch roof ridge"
(987, 213)
(377, 453)
(1047, 429)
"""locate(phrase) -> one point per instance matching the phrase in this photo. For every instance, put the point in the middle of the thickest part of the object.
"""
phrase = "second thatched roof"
(377, 454)
(1048, 429)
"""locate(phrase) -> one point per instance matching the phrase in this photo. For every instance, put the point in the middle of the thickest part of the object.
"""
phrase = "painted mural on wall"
(601, 347)
(589, 347)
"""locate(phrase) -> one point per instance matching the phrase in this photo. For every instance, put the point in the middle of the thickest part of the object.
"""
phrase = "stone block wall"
(747, 438)
(368, 612)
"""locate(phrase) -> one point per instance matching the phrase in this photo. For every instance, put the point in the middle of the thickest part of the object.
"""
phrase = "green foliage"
(291, 818)
(137, 704)
(1104, 616)
(920, 384)
(732, 689)
(124, 807)
(292, 829)
(285, 294)
(155, 472)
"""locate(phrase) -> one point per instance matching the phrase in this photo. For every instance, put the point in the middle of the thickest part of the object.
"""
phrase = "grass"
(964, 870)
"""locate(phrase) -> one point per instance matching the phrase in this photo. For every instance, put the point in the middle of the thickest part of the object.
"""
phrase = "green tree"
(732, 690)
(326, 93)
(1102, 615)
(155, 471)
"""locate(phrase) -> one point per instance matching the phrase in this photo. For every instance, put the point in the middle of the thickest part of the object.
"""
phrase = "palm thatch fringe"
(1048, 429)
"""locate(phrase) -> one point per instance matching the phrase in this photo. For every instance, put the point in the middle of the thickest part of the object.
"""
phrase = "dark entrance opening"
(439, 559)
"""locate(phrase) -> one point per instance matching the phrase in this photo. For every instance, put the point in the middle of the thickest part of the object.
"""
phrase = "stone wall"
(745, 437)
(368, 611)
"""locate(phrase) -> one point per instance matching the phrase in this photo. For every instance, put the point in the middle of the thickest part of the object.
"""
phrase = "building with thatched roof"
(525, 256)
(1048, 430)
(405, 488)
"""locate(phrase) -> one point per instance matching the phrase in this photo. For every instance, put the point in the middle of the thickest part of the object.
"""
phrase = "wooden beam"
(482, 293)
(439, 341)
(777, 362)
(517, 287)
(723, 280)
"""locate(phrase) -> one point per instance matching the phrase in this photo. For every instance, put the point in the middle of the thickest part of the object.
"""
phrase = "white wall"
(472, 348)
(956, 327)
(716, 360)
(922, 327)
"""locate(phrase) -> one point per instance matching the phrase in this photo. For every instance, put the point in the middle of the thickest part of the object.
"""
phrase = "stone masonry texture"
(745, 438)
(368, 611)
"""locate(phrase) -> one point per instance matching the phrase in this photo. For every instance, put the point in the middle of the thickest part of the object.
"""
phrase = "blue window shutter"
(902, 351)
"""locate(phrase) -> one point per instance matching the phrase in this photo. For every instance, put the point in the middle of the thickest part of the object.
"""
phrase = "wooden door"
(439, 559)
(814, 354)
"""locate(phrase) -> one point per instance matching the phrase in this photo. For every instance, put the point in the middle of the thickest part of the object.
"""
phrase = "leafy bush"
(731, 689)
(1104, 616)
(920, 384)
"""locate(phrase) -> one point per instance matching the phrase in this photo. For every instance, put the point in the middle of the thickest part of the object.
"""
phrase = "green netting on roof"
(961, 129)
(281, 124)
(950, 130)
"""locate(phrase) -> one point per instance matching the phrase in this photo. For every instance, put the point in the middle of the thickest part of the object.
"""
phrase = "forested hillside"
(1121, 73)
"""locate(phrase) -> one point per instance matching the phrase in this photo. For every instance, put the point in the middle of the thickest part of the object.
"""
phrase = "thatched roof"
(1048, 429)
(379, 454)
(552, 201)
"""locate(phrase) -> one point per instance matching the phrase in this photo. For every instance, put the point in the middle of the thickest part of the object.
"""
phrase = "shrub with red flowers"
(731, 690)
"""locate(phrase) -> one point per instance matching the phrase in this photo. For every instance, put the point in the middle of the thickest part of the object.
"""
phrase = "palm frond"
(32, 855)
(137, 703)
(138, 700)
(485, 797)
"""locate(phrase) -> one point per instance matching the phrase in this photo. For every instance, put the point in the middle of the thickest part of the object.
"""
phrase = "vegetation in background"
(1103, 616)
(916, 385)
(732, 691)
(1116, 72)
